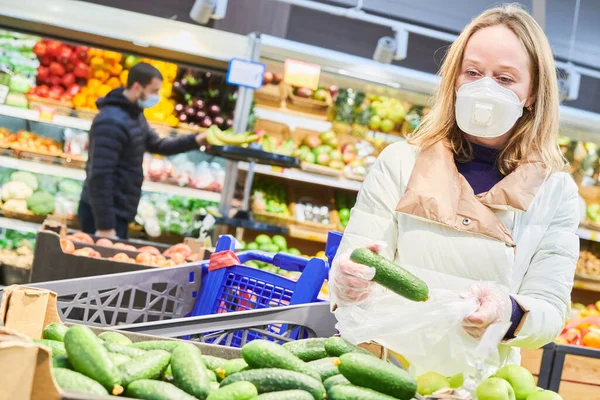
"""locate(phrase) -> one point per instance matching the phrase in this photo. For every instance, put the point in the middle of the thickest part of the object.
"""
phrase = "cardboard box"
(28, 310)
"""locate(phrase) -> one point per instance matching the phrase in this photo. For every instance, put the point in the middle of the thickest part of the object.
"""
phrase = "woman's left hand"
(494, 306)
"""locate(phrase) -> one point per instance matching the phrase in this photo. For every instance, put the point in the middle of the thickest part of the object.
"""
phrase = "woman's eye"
(505, 79)
(472, 73)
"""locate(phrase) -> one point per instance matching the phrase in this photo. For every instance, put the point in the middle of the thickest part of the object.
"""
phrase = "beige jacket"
(520, 234)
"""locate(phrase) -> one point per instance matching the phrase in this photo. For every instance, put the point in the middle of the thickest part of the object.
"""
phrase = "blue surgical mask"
(150, 101)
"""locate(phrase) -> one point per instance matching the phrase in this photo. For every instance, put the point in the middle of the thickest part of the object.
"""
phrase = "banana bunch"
(217, 137)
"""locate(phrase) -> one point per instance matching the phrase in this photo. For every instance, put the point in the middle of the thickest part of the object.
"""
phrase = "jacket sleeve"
(169, 145)
(108, 141)
(545, 294)
(373, 217)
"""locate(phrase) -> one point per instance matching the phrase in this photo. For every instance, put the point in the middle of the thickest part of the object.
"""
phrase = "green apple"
(382, 113)
(495, 389)
(374, 122)
(386, 125)
(431, 382)
(457, 381)
(519, 378)
(544, 395)
(397, 113)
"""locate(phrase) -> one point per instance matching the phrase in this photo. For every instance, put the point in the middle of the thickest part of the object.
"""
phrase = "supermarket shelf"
(33, 115)
(17, 225)
(292, 119)
(592, 285)
(588, 234)
(302, 176)
(77, 174)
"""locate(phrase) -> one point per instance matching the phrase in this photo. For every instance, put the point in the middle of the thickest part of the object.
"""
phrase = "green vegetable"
(58, 348)
(235, 391)
(27, 178)
(61, 362)
(71, 380)
(167, 345)
(212, 377)
(335, 380)
(70, 188)
(325, 367)
(149, 389)
(115, 337)
(285, 395)
(373, 373)
(55, 331)
(349, 392)
(125, 350)
(392, 276)
(168, 374)
(265, 354)
(231, 367)
(213, 363)
(335, 346)
(189, 370)
(89, 357)
(149, 366)
(275, 380)
(118, 359)
(307, 349)
(41, 203)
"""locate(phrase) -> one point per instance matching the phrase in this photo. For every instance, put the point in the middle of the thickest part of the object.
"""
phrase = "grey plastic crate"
(128, 298)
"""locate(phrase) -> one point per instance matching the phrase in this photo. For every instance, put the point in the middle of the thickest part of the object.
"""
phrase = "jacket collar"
(436, 191)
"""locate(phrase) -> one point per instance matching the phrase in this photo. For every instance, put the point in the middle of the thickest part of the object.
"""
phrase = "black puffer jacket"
(119, 136)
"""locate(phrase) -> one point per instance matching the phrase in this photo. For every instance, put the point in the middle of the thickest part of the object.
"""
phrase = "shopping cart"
(177, 292)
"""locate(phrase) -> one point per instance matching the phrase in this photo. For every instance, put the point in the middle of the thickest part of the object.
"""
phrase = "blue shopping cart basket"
(240, 287)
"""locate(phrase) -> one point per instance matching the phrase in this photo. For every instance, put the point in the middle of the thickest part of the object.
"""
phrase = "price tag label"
(46, 112)
(245, 73)
(594, 236)
(301, 74)
(277, 169)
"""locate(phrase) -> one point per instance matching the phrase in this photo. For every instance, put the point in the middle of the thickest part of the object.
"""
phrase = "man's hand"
(201, 139)
(107, 233)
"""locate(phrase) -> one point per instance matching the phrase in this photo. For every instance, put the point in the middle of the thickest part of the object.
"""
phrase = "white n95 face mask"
(485, 109)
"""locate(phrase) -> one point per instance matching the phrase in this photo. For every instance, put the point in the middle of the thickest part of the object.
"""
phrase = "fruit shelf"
(77, 174)
(65, 121)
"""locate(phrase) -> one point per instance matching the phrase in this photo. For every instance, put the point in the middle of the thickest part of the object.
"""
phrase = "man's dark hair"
(143, 74)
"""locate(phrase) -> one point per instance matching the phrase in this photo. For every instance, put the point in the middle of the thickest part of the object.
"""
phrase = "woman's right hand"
(353, 281)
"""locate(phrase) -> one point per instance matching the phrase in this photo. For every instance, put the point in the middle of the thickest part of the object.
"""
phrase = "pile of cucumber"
(310, 369)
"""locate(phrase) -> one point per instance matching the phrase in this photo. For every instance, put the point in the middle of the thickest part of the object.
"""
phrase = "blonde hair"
(536, 132)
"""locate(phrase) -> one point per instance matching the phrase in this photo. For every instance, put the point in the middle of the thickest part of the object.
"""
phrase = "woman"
(479, 193)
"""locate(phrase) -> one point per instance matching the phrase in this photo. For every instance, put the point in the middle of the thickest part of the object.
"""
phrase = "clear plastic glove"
(353, 281)
(494, 306)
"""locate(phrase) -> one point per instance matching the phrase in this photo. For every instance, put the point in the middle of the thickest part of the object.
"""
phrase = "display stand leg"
(546, 366)
(231, 174)
(557, 368)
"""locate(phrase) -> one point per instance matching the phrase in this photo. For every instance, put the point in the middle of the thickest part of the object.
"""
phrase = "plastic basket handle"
(281, 260)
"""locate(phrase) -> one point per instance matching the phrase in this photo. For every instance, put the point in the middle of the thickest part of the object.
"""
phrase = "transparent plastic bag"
(429, 335)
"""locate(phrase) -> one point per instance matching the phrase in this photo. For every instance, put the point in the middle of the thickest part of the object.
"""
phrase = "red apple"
(54, 80)
(348, 157)
(66, 98)
(65, 55)
(42, 91)
(55, 93)
(57, 69)
(45, 60)
(53, 48)
(81, 52)
(267, 78)
(68, 80)
(40, 49)
(43, 73)
(277, 78)
(81, 70)
(74, 89)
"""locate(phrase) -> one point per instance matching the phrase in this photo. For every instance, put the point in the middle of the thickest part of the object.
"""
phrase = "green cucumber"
(212, 386)
(166, 345)
(71, 380)
(213, 363)
(58, 348)
(265, 354)
(336, 346)
(373, 373)
(189, 371)
(119, 359)
(89, 357)
(285, 395)
(61, 362)
(325, 367)
(115, 337)
(149, 366)
(212, 377)
(230, 367)
(149, 389)
(276, 380)
(335, 380)
(55, 331)
(128, 351)
(307, 349)
(350, 392)
(168, 374)
(235, 391)
(392, 276)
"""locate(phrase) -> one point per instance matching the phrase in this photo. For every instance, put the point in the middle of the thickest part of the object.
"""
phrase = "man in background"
(119, 137)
